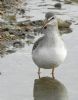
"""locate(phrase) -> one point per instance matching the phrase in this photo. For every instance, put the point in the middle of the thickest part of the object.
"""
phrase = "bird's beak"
(46, 21)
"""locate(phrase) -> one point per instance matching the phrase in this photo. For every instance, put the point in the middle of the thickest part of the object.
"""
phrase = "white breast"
(47, 56)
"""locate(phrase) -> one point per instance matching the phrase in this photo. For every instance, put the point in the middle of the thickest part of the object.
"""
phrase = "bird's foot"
(39, 75)
(53, 73)
(39, 72)
(53, 76)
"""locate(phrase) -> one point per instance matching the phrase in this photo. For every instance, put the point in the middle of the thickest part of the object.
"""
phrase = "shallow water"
(19, 79)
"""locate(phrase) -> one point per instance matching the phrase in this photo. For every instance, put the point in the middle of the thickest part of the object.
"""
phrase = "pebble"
(58, 5)
(67, 1)
(18, 44)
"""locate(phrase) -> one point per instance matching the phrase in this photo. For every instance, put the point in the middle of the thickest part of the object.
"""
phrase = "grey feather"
(37, 43)
(49, 15)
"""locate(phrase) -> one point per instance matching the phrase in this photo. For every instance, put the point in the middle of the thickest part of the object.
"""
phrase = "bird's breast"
(49, 55)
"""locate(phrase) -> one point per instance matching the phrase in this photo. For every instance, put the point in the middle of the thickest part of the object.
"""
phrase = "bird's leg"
(39, 72)
(53, 72)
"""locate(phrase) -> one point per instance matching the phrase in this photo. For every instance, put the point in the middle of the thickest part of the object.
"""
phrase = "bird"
(49, 51)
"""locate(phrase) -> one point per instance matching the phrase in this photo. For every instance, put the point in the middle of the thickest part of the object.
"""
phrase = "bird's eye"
(52, 17)
(45, 27)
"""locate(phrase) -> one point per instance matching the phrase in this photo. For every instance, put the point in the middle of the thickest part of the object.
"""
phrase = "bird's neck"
(52, 31)
(52, 36)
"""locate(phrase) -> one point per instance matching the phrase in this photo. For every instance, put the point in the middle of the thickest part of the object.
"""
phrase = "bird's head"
(50, 19)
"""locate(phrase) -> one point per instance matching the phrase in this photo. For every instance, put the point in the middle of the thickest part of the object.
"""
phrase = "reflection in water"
(47, 88)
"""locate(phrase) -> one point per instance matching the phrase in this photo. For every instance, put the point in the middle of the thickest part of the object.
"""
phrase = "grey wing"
(37, 43)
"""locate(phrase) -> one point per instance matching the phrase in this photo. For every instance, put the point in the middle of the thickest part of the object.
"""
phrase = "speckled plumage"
(37, 43)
